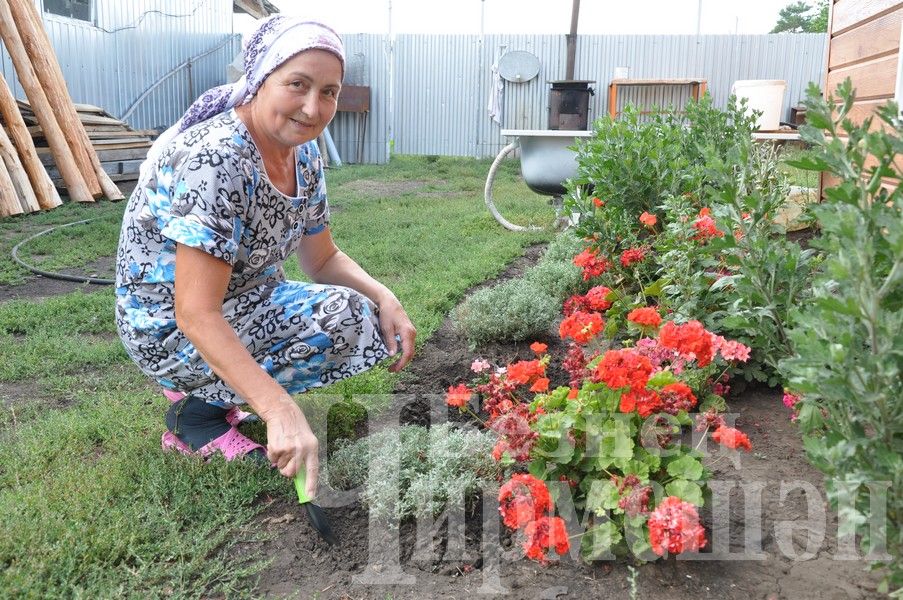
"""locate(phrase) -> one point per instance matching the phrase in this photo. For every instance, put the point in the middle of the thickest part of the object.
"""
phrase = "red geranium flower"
(632, 255)
(676, 397)
(458, 395)
(538, 348)
(732, 438)
(545, 534)
(540, 385)
(621, 368)
(596, 298)
(691, 340)
(649, 220)
(525, 372)
(599, 203)
(646, 316)
(646, 402)
(523, 499)
(515, 436)
(674, 527)
(581, 326)
(592, 265)
(705, 226)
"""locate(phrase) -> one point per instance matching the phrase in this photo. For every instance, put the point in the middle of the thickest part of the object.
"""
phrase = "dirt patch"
(38, 286)
(385, 189)
(457, 560)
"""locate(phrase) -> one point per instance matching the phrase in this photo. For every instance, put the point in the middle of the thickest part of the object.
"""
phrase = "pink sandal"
(231, 444)
(234, 417)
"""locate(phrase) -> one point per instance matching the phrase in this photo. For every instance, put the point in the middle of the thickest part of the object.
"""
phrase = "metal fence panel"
(132, 45)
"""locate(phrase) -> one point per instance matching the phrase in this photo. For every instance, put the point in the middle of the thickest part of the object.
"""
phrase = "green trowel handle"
(301, 486)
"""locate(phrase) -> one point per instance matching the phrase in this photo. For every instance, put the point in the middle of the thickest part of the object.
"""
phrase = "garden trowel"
(316, 514)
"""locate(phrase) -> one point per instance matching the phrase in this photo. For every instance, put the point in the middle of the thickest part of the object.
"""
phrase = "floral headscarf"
(276, 39)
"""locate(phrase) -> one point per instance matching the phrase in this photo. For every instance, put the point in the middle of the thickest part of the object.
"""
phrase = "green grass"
(807, 179)
(91, 507)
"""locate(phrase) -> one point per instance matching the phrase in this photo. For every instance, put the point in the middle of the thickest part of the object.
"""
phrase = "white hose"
(487, 192)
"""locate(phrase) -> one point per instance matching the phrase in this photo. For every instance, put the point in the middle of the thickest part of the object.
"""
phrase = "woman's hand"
(394, 321)
(291, 444)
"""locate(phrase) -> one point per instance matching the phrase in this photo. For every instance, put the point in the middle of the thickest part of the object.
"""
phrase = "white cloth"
(495, 94)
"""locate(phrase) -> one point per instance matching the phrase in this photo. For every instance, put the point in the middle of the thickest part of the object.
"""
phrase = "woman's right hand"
(291, 444)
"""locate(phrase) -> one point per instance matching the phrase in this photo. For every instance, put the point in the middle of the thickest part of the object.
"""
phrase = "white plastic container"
(766, 95)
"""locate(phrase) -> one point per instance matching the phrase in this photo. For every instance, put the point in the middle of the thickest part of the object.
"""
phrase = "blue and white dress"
(209, 190)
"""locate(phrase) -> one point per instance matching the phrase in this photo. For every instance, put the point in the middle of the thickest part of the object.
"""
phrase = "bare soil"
(473, 555)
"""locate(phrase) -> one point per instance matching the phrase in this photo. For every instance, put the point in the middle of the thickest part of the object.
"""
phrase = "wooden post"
(9, 203)
(17, 174)
(57, 95)
(54, 82)
(43, 187)
(613, 100)
(62, 154)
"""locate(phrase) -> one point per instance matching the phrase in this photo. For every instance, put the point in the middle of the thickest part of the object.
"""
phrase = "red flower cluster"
(634, 497)
(498, 396)
(691, 340)
(515, 436)
(581, 326)
(592, 265)
(597, 298)
(526, 372)
(458, 395)
(649, 220)
(622, 368)
(646, 316)
(705, 226)
(539, 348)
(575, 364)
(632, 255)
(674, 527)
(732, 438)
(523, 499)
(645, 401)
(676, 397)
(545, 534)
(598, 203)
(709, 420)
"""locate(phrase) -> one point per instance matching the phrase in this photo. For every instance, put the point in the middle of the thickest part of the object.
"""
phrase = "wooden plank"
(116, 154)
(100, 145)
(873, 79)
(849, 13)
(869, 108)
(874, 39)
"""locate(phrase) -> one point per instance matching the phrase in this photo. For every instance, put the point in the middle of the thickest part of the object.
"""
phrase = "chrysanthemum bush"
(436, 466)
(618, 441)
(846, 375)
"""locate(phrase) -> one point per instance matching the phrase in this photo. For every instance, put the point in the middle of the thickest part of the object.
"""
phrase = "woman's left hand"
(394, 323)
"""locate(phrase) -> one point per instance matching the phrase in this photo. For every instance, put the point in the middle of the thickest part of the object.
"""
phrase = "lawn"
(92, 508)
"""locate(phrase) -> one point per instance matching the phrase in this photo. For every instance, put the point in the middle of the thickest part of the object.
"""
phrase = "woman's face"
(298, 100)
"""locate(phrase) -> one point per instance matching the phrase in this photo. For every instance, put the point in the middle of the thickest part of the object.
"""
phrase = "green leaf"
(616, 441)
(685, 467)
(661, 379)
(687, 491)
(655, 288)
(603, 495)
(599, 540)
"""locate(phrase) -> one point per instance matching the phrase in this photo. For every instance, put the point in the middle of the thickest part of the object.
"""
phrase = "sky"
(538, 16)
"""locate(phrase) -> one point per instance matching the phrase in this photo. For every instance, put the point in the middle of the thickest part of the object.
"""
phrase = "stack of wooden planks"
(120, 148)
(25, 185)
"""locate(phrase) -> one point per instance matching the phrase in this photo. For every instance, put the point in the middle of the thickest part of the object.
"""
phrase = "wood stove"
(569, 104)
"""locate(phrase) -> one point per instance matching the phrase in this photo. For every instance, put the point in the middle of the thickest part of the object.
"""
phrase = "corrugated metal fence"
(429, 93)
(131, 46)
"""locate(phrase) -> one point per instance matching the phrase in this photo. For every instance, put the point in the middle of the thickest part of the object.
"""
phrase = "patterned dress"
(210, 191)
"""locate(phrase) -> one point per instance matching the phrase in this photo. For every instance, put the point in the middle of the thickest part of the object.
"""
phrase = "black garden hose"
(51, 275)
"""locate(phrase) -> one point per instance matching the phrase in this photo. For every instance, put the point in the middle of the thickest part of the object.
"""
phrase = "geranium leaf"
(602, 496)
(685, 467)
(599, 540)
(685, 490)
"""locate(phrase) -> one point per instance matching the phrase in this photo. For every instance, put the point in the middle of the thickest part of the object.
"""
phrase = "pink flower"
(480, 365)
(729, 349)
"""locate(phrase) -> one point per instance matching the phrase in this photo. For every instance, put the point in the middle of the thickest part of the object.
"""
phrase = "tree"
(801, 17)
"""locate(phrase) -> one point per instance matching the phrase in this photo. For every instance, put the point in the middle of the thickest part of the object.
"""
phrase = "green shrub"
(511, 311)
(437, 465)
(849, 338)
(558, 279)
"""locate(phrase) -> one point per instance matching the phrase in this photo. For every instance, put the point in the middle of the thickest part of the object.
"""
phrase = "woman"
(203, 306)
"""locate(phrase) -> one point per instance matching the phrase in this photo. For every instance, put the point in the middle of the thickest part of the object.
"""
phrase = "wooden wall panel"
(874, 39)
(873, 79)
(852, 13)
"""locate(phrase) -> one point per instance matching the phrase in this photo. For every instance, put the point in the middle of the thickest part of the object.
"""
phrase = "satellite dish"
(518, 66)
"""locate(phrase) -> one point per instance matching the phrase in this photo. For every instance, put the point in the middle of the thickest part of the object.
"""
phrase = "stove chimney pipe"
(572, 41)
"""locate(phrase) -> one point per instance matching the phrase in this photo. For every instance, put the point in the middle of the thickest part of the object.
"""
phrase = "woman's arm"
(200, 286)
(323, 262)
